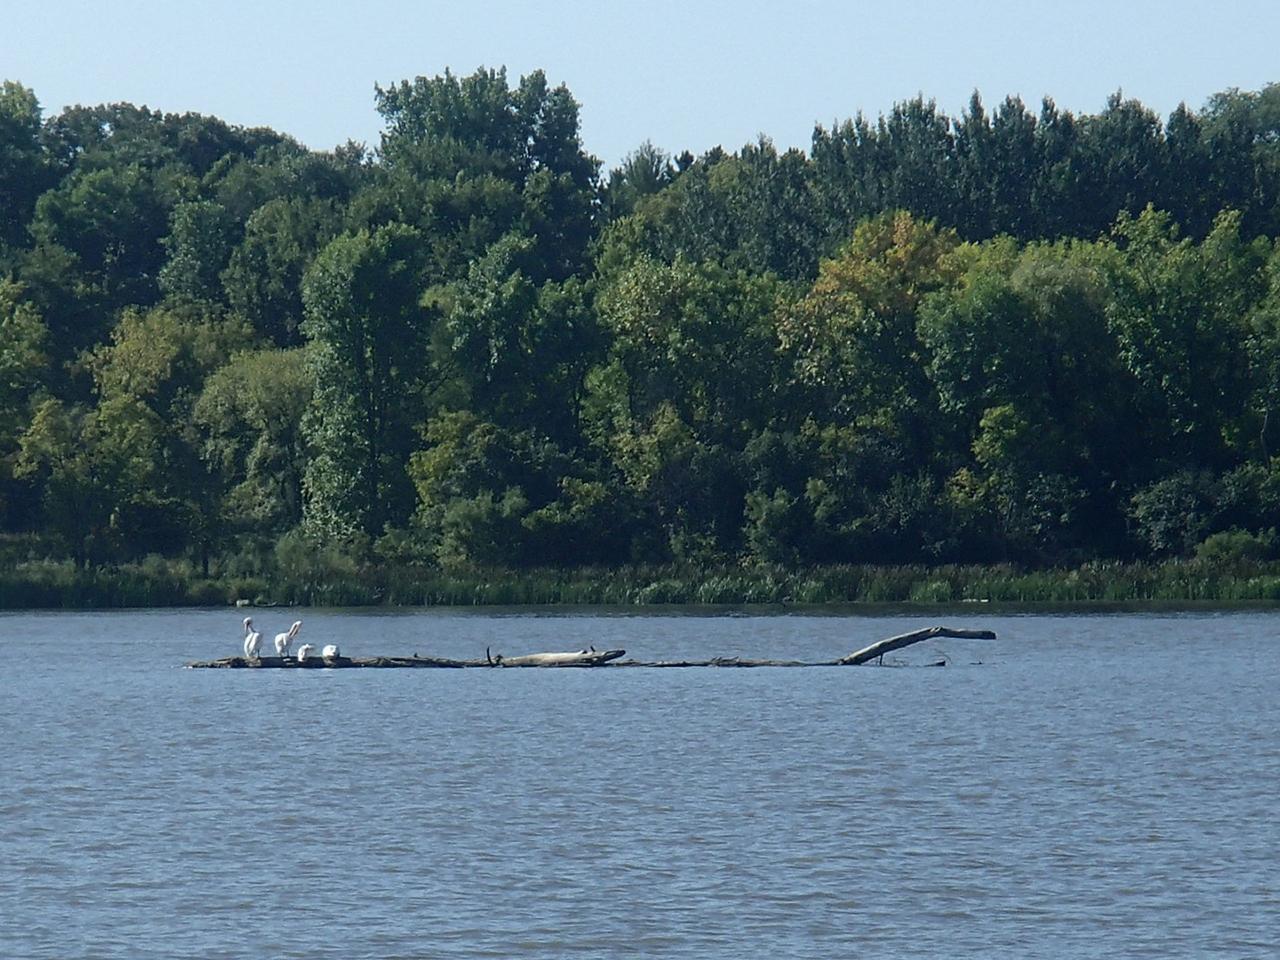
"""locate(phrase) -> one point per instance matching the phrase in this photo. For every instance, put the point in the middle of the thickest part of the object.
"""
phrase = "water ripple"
(1102, 786)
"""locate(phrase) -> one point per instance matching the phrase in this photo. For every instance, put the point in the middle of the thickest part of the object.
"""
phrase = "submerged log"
(323, 663)
(881, 647)
(589, 657)
(722, 662)
(582, 658)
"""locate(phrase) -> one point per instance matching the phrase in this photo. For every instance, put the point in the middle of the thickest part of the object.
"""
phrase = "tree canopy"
(1017, 334)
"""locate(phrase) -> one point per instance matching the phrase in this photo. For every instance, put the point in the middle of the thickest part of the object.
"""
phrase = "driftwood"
(880, 648)
(574, 658)
(321, 663)
(592, 657)
(583, 658)
(722, 662)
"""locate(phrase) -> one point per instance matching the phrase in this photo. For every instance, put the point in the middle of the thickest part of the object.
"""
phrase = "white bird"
(330, 651)
(252, 640)
(284, 641)
(304, 651)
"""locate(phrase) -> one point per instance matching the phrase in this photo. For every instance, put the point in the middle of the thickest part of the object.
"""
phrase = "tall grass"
(342, 582)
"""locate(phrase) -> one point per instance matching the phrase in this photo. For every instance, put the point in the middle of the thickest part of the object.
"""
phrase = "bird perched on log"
(305, 651)
(330, 651)
(284, 640)
(252, 640)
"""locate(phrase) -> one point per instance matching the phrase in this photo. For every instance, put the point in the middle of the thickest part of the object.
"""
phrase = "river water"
(1084, 786)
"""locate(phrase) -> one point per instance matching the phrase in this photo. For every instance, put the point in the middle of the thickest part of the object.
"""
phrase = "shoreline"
(838, 589)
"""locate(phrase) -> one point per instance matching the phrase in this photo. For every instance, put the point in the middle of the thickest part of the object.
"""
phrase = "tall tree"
(1022, 353)
(198, 245)
(853, 338)
(263, 277)
(1187, 190)
(917, 151)
(1241, 130)
(367, 344)
(471, 159)
(1179, 311)
(688, 379)
(111, 221)
(517, 349)
(249, 416)
(23, 371)
(147, 380)
(24, 170)
(645, 171)
(1117, 166)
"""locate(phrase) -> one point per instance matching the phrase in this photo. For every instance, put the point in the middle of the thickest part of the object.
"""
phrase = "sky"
(682, 75)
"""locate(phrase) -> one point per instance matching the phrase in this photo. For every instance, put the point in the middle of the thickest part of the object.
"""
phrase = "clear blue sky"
(686, 75)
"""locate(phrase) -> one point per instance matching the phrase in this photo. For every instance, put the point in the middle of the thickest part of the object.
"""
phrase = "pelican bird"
(330, 651)
(252, 640)
(284, 641)
(304, 651)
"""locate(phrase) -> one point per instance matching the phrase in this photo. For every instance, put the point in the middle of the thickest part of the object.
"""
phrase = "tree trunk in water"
(881, 647)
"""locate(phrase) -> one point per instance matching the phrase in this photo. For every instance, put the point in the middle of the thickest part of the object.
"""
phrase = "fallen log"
(589, 657)
(723, 662)
(322, 663)
(881, 647)
(577, 658)
(573, 658)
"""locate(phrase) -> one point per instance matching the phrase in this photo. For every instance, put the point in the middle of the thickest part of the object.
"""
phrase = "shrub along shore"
(159, 583)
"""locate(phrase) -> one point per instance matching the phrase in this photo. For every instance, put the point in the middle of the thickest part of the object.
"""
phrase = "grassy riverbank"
(49, 584)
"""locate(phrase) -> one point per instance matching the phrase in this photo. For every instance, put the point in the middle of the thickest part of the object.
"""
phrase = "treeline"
(1012, 336)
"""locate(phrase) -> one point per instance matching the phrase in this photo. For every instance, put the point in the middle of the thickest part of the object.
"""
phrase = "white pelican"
(304, 651)
(252, 640)
(284, 641)
(330, 651)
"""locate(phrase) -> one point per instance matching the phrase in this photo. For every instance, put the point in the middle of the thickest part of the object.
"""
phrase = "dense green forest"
(1017, 336)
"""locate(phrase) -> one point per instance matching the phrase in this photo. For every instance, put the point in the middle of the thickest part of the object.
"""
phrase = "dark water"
(1098, 786)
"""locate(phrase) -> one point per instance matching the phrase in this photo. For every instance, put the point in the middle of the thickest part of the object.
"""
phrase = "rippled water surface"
(1098, 786)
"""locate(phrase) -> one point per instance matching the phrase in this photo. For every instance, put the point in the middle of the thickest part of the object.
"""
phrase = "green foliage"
(229, 363)
(23, 340)
(111, 222)
(24, 169)
(1233, 549)
(328, 572)
(24, 370)
(198, 244)
(853, 338)
(777, 527)
(1178, 309)
(644, 172)
(517, 349)
(263, 277)
(488, 495)
(694, 337)
(88, 463)
(1175, 513)
(366, 355)
(249, 416)
(469, 160)
(123, 478)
